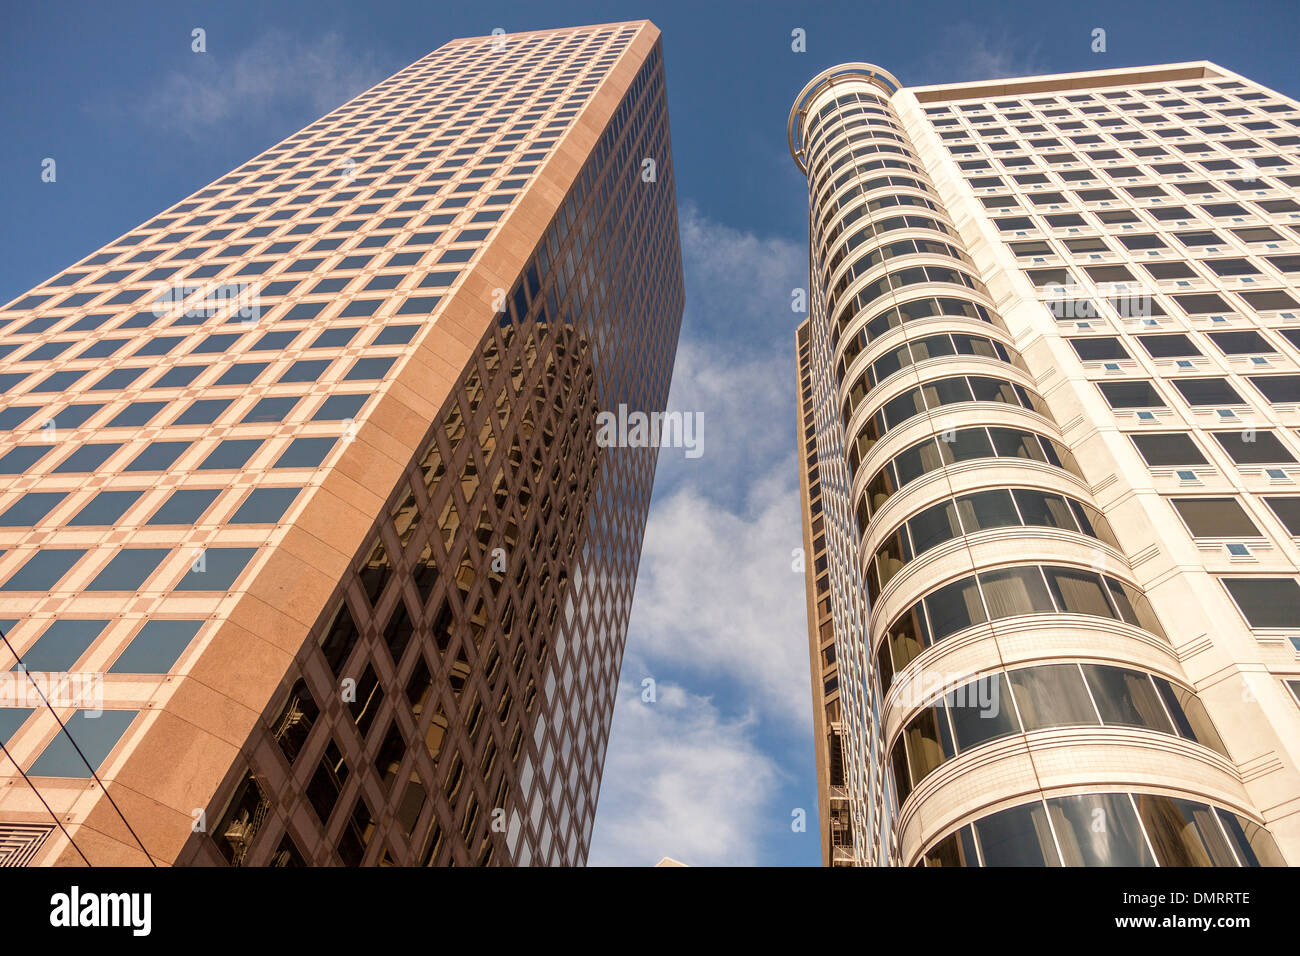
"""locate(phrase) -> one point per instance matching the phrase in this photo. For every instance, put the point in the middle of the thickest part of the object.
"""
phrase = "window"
(1288, 512)
(265, 506)
(30, 508)
(18, 460)
(1215, 517)
(215, 569)
(106, 507)
(1240, 343)
(1169, 270)
(1176, 345)
(156, 647)
(1254, 448)
(185, 506)
(1269, 301)
(305, 453)
(61, 645)
(96, 734)
(307, 370)
(136, 414)
(233, 453)
(369, 369)
(157, 456)
(273, 409)
(1266, 602)
(43, 570)
(1130, 394)
(128, 570)
(1098, 349)
(1278, 389)
(1207, 391)
(203, 411)
(339, 407)
(86, 459)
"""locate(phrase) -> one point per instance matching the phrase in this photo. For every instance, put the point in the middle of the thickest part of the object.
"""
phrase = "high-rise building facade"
(311, 555)
(1050, 454)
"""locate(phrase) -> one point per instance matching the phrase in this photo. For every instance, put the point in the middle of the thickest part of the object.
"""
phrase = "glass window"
(43, 570)
(1240, 343)
(1018, 836)
(965, 444)
(31, 508)
(987, 509)
(1098, 349)
(106, 507)
(136, 414)
(1052, 696)
(96, 734)
(305, 453)
(156, 647)
(1207, 391)
(338, 408)
(1078, 592)
(216, 569)
(1189, 715)
(204, 411)
(61, 645)
(128, 570)
(230, 454)
(265, 506)
(1288, 512)
(1099, 829)
(86, 459)
(981, 711)
(1130, 394)
(1264, 602)
(273, 409)
(185, 506)
(1278, 389)
(954, 607)
(1045, 510)
(1126, 698)
(1168, 450)
(1183, 833)
(1176, 345)
(1215, 517)
(1254, 448)
(369, 369)
(1012, 591)
(933, 526)
(158, 456)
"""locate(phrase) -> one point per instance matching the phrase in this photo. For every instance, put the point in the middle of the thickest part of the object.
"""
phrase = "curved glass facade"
(1142, 829)
(923, 414)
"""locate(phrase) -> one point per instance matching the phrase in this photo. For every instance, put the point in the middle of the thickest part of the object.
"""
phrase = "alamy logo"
(74, 908)
(626, 429)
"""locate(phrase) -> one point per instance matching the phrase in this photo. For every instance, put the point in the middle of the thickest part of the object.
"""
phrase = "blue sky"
(712, 770)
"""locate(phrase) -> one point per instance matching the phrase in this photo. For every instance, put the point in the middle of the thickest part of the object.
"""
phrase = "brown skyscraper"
(1049, 412)
(301, 480)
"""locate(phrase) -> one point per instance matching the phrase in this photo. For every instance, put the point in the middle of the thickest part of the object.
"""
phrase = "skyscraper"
(1049, 410)
(309, 548)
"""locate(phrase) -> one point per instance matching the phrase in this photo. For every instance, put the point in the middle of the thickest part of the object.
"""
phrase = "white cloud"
(680, 780)
(276, 73)
(717, 604)
(716, 596)
(964, 52)
(738, 286)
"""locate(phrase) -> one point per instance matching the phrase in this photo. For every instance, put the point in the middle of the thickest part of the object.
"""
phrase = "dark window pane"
(1215, 517)
(96, 734)
(157, 646)
(128, 570)
(1267, 602)
(61, 645)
